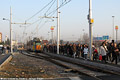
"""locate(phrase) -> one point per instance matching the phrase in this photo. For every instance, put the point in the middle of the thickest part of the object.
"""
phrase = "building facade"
(0, 37)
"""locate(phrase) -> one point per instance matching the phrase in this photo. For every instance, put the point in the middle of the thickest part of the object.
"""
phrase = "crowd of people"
(110, 51)
(105, 52)
(73, 50)
(4, 49)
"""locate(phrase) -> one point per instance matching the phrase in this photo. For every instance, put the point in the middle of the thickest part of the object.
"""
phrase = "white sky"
(73, 18)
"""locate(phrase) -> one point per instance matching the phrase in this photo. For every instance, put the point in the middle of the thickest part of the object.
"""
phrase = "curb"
(5, 60)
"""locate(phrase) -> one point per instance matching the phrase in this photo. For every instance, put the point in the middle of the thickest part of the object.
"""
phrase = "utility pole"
(58, 28)
(90, 27)
(113, 26)
(11, 30)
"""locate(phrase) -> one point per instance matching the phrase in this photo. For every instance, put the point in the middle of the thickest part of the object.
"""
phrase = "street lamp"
(10, 34)
(113, 26)
(10, 29)
(82, 36)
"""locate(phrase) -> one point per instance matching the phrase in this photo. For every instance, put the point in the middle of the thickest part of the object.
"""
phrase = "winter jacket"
(85, 50)
(102, 51)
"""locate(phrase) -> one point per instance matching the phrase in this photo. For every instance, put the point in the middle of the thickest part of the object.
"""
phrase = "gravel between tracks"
(22, 66)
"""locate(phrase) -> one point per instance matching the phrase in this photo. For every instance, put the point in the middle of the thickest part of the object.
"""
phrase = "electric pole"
(11, 30)
(90, 27)
(58, 28)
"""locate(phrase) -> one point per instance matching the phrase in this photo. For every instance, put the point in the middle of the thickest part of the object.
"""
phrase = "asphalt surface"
(3, 57)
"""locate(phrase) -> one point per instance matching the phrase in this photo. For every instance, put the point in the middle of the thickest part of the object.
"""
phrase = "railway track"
(96, 74)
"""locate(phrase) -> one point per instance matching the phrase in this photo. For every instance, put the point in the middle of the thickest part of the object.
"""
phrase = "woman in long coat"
(103, 52)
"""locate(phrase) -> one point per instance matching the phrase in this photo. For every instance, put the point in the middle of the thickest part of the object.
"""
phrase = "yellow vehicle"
(20, 47)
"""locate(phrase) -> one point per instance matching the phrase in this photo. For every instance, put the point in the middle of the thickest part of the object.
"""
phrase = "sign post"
(52, 29)
(116, 28)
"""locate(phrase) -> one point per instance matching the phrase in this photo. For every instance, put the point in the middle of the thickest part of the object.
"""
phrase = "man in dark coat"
(70, 50)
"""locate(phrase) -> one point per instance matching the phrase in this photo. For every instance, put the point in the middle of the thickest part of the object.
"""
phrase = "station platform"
(88, 63)
(4, 58)
(67, 78)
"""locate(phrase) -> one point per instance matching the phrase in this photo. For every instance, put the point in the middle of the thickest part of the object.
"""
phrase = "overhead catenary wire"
(63, 4)
(34, 31)
(35, 15)
(45, 13)
(49, 14)
(53, 12)
(50, 6)
(40, 10)
(30, 25)
(53, 1)
(40, 26)
(34, 22)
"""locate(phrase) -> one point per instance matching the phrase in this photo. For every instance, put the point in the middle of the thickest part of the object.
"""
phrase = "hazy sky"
(73, 18)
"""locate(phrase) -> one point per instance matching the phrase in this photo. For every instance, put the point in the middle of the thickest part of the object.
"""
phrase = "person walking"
(103, 52)
(82, 53)
(66, 49)
(85, 52)
(3, 49)
(74, 50)
(70, 50)
(62, 49)
(78, 50)
(109, 46)
(115, 53)
(118, 46)
(95, 54)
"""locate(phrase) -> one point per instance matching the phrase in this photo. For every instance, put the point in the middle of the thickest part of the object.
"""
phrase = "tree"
(2, 43)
